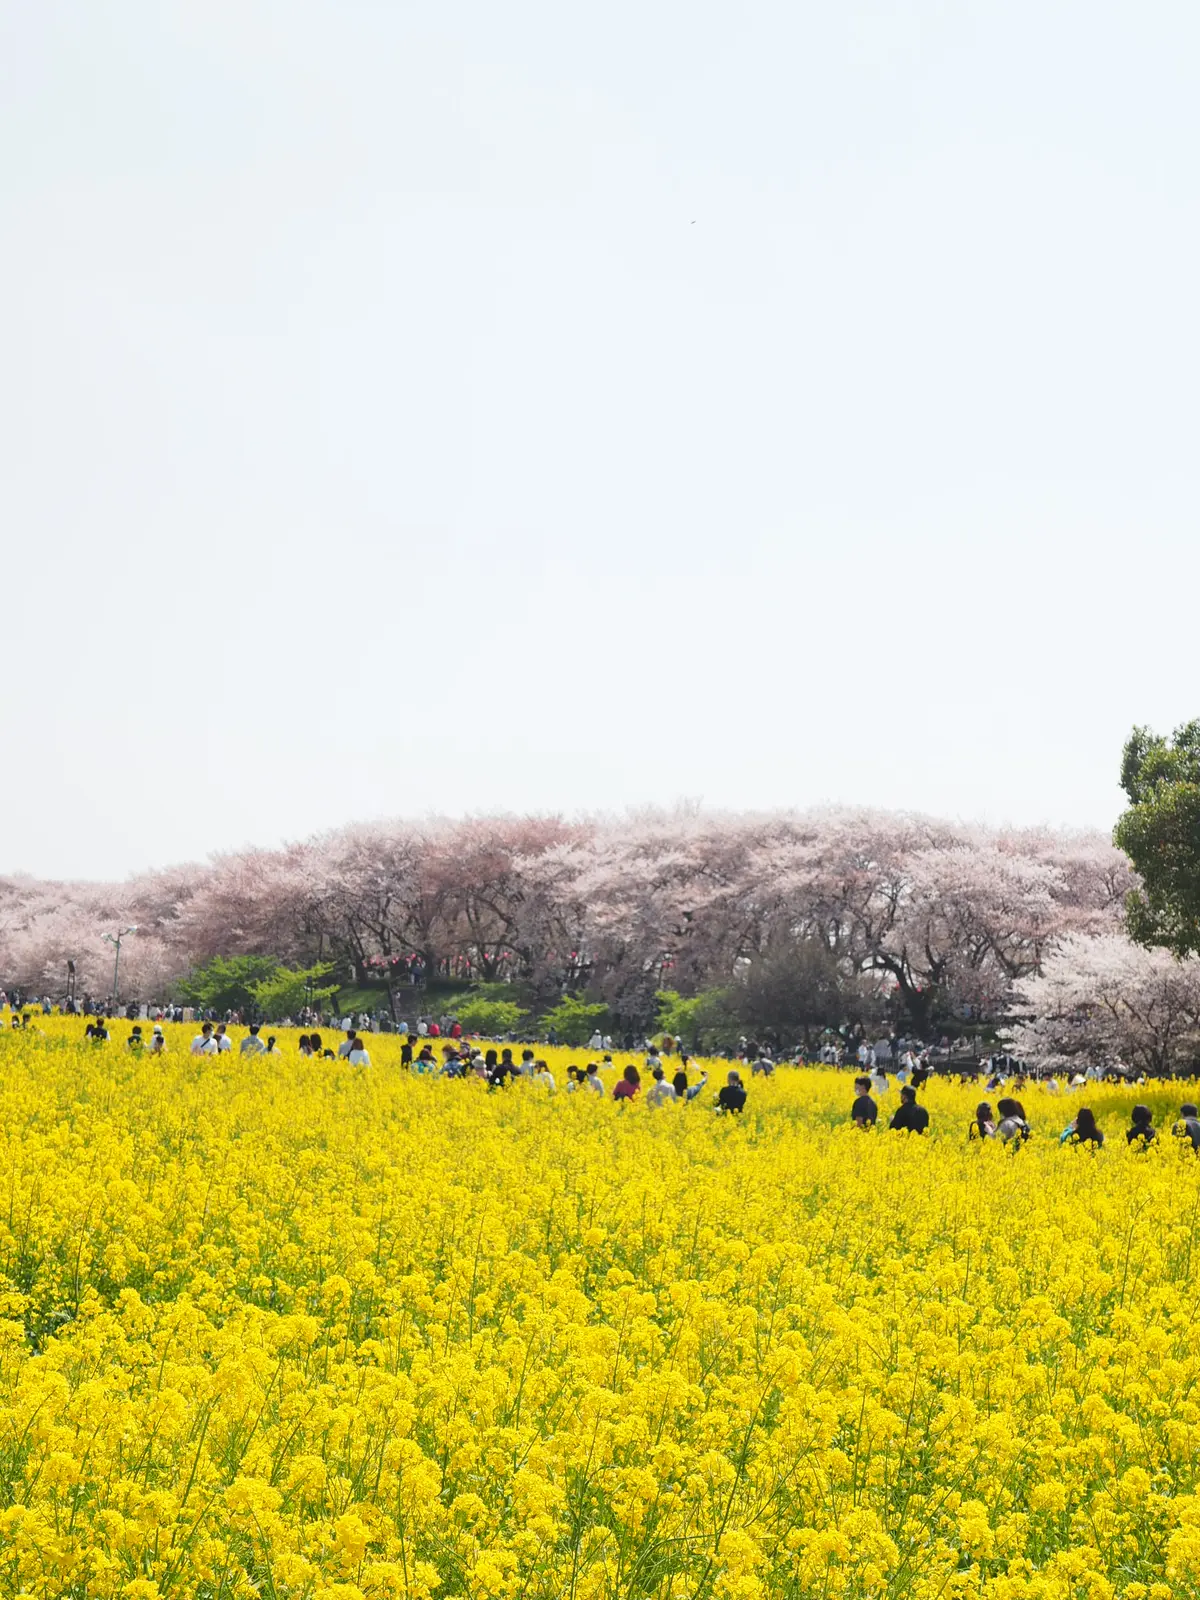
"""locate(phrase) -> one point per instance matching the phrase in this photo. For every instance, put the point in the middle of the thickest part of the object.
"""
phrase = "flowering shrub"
(288, 1328)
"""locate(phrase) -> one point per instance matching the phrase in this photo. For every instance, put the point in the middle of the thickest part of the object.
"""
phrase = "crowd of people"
(1009, 1124)
(665, 1078)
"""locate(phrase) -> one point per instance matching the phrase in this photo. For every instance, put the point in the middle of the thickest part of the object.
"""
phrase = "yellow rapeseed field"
(287, 1328)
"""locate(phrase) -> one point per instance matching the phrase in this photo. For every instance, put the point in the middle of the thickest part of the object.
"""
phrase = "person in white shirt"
(224, 1042)
(358, 1057)
(596, 1042)
(591, 1079)
(348, 1044)
(251, 1045)
(204, 1044)
(660, 1091)
(544, 1077)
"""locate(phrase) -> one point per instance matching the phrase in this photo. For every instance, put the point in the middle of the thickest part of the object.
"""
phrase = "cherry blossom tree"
(1103, 999)
(948, 917)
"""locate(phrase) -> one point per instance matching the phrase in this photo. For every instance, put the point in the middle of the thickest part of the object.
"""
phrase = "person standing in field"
(685, 1092)
(660, 1090)
(910, 1117)
(251, 1045)
(629, 1084)
(204, 1044)
(864, 1112)
(591, 1078)
(1188, 1126)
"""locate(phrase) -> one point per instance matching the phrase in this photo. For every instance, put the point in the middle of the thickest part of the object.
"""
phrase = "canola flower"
(286, 1328)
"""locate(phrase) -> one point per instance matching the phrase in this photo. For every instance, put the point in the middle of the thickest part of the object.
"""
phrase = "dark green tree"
(796, 987)
(1160, 833)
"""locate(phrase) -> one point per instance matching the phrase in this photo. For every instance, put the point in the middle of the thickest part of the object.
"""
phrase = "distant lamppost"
(115, 940)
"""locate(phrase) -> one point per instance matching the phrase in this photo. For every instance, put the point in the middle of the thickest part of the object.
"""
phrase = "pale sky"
(410, 407)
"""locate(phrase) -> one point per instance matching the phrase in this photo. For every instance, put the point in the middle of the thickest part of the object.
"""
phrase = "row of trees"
(707, 923)
(790, 917)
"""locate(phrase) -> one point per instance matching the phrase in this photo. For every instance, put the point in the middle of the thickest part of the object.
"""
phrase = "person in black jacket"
(732, 1097)
(910, 1118)
(864, 1111)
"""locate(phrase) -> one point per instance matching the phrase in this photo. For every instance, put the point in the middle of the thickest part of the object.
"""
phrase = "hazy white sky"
(413, 406)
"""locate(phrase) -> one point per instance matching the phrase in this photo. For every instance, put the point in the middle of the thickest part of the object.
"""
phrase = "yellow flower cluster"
(287, 1328)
